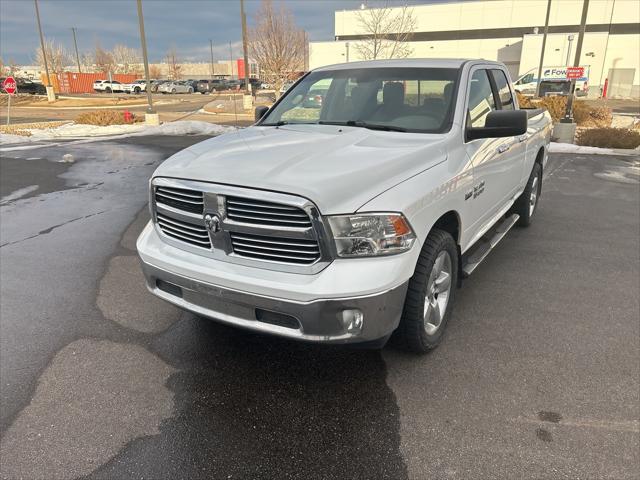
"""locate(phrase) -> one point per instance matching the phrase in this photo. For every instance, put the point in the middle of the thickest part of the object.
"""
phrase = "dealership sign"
(9, 85)
(574, 73)
(565, 73)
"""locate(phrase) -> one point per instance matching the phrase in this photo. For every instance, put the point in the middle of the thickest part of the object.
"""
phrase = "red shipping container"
(70, 82)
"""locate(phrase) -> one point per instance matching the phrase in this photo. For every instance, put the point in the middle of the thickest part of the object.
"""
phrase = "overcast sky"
(187, 24)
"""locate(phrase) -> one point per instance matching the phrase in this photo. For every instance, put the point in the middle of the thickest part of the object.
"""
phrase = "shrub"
(609, 138)
(525, 102)
(587, 116)
(583, 114)
(104, 118)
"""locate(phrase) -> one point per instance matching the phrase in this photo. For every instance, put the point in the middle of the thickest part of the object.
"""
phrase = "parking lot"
(537, 376)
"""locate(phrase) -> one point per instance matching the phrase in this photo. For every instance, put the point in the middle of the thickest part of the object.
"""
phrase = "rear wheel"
(173, 90)
(527, 203)
(430, 294)
(108, 90)
(137, 90)
(190, 90)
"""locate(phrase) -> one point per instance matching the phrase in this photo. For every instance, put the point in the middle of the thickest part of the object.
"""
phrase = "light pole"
(151, 117)
(211, 48)
(51, 96)
(75, 44)
(247, 84)
(544, 46)
(576, 62)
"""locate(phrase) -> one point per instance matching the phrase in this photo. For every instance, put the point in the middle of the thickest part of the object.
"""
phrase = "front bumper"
(316, 308)
(325, 321)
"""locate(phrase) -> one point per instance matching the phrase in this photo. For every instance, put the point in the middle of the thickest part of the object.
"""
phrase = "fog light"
(352, 320)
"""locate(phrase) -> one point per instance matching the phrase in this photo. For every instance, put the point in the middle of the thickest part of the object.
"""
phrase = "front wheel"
(430, 295)
(137, 90)
(173, 90)
(526, 204)
(190, 90)
(108, 90)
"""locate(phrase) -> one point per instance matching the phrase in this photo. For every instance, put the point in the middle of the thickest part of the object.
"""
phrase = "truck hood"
(338, 168)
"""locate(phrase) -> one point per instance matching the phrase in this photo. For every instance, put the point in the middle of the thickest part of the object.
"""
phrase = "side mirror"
(260, 112)
(501, 123)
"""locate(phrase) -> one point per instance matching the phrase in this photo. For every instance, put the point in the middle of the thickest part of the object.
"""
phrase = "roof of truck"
(407, 63)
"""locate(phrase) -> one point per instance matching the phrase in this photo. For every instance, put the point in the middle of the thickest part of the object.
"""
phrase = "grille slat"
(183, 231)
(259, 212)
(181, 199)
(275, 248)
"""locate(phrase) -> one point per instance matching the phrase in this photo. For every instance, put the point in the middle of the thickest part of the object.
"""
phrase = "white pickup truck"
(353, 218)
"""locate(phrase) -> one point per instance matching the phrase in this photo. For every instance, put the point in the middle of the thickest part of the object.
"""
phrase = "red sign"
(574, 73)
(9, 85)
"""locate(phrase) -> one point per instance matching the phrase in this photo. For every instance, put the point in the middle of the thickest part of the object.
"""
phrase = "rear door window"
(504, 92)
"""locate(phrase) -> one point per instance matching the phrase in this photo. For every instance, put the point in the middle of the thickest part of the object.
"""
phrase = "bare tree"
(126, 59)
(57, 56)
(388, 31)
(104, 61)
(277, 44)
(154, 72)
(173, 64)
(87, 61)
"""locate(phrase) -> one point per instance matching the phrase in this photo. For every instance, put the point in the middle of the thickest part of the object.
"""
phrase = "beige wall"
(519, 53)
(502, 14)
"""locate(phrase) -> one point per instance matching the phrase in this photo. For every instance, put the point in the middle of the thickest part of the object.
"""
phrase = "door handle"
(503, 148)
(522, 138)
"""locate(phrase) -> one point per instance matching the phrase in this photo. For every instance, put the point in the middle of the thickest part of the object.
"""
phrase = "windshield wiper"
(279, 123)
(370, 126)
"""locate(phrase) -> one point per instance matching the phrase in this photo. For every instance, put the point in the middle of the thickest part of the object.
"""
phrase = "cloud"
(187, 24)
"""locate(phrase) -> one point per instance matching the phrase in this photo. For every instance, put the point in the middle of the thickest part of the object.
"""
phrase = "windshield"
(399, 99)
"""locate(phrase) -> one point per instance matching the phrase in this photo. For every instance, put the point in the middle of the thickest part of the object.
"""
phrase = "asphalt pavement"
(537, 376)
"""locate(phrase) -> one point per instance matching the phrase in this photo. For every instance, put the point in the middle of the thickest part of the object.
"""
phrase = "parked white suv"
(107, 86)
(137, 86)
(354, 218)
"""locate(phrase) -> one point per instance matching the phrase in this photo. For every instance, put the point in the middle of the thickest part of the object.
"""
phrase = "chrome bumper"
(323, 321)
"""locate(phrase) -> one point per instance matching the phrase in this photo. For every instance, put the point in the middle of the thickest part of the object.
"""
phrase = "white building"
(510, 31)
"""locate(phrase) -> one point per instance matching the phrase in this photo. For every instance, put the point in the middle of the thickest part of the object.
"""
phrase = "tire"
(137, 90)
(420, 330)
(173, 90)
(190, 90)
(527, 203)
(107, 90)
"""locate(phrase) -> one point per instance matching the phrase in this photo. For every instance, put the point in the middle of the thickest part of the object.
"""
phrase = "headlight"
(368, 235)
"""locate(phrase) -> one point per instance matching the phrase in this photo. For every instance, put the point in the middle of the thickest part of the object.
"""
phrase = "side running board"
(477, 253)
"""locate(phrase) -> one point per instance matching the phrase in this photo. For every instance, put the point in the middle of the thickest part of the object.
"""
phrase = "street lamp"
(51, 96)
(150, 117)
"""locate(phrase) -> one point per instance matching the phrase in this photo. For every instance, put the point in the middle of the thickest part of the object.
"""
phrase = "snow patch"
(98, 133)
(555, 147)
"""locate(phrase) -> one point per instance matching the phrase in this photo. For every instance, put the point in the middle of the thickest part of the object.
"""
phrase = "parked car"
(24, 85)
(155, 85)
(313, 99)
(175, 87)
(107, 86)
(97, 85)
(256, 84)
(219, 85)
(360, 223)
(203, 86)
(555, 80)
(137, 86)
(193, 84)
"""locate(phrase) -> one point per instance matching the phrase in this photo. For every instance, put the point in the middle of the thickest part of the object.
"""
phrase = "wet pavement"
(537, 376)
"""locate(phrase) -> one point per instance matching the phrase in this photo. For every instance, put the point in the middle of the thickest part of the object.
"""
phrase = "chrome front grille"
(250, 227)
(184, 231)
(180, 198)
(258, 212)
(262, 247)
